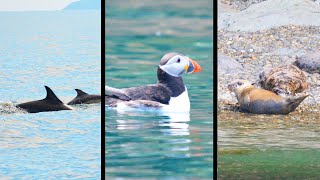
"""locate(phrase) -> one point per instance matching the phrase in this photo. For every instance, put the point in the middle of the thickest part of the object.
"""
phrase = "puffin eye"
(178, 61)
(239, 83)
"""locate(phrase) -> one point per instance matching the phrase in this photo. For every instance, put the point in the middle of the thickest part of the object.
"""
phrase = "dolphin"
(50, 103)
(85, 98)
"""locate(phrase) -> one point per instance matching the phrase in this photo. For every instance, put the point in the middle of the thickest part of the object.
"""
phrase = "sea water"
(59, 49)
(149, 144)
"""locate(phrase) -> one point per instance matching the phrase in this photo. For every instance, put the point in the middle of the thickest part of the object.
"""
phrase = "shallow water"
(268, 146)
(61, 50)
(147, 144)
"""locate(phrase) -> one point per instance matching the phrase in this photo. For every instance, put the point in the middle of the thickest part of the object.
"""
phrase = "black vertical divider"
(103, 65)
(215, 88)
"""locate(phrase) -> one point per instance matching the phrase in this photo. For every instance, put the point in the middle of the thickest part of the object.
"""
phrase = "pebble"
(255, 51)
(263, 47)
(229, 42)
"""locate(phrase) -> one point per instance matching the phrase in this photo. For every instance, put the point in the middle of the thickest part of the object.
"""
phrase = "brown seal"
(284, 80)
(260, 101)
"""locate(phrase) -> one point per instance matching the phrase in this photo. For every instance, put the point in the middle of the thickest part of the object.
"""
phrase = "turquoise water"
(61, 50)
(149, 144)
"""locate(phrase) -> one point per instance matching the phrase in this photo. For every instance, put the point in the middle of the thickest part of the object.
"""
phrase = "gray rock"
(269, 14)
(288, 52)
(228, 65)
(309, 62)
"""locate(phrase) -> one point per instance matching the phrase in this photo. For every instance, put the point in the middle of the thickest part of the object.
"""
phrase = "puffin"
(169, 94)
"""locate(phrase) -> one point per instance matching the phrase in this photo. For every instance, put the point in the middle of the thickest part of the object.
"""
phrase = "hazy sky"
(33, 5)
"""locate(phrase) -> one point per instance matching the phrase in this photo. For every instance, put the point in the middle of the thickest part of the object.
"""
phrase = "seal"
(284, 80)
(260, 101)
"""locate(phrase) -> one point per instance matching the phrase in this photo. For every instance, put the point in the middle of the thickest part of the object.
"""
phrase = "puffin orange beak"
(194, 67)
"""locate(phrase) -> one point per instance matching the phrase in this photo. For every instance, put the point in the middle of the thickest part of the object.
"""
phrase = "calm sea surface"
(268, 147)
(150, 144)
(61, 50)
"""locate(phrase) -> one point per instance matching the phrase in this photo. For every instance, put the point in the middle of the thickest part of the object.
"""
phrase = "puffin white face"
(179, 64)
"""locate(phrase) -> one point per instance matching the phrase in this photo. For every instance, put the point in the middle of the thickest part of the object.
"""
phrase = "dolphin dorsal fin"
(51, 96)
(80, 92)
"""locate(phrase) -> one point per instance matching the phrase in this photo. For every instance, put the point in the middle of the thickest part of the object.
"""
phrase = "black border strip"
(103, 66)
(215, 89)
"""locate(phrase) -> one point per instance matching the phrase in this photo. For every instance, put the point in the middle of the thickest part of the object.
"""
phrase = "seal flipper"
(295, 102)
(80, 93)
(51, 97)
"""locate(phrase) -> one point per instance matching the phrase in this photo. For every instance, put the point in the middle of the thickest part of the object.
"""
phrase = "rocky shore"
(244, 4)
(255, 35)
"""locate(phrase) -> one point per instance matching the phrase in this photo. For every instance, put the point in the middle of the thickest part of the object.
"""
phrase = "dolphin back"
(85, 98)
(50, 103)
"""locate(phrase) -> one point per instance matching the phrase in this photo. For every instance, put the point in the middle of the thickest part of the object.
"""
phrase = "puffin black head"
(176, 64)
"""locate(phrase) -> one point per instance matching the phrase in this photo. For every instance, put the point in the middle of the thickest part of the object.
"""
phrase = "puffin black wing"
(116, 93)
(158, 93)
